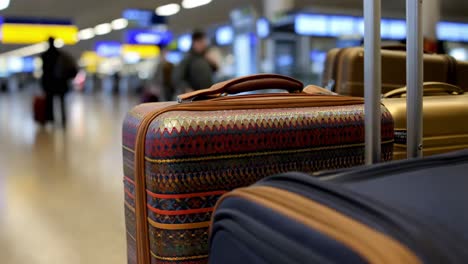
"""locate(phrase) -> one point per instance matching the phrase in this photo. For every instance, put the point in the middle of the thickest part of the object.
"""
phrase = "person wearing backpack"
(58, 68)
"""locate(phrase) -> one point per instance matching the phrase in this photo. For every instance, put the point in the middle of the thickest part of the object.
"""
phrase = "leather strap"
(247, 84)
(313, 89)
(141, 214)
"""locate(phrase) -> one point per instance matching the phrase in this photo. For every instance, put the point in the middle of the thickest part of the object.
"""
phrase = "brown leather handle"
(247, 84)
(313, 89)
(429, 88)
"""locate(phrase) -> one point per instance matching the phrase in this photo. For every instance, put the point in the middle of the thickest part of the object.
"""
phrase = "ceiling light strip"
(188, 4)
(168, 10)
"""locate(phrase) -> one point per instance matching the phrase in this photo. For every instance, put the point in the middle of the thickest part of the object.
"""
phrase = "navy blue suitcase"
(413, 211)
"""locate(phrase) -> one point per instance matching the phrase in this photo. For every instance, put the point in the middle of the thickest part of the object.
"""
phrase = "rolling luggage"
(445, 111)
(410, 212)
(179, 158)
(344, 72)
(444, 108)
(39, 109)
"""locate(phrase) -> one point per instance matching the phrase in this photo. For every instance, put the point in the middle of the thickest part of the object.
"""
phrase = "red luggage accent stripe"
(129, 180)
(181, 196)
(180, 212)
(129, 193)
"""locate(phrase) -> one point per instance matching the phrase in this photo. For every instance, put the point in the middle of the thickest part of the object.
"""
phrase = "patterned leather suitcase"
(179, 158)
(344, 72)
(411, 212)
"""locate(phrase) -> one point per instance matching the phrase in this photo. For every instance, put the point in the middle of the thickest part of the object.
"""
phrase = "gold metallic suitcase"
(445, 119)
(344, 72)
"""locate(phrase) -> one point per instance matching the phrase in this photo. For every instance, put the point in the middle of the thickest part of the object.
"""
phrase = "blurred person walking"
(197, 69)
(58, 68)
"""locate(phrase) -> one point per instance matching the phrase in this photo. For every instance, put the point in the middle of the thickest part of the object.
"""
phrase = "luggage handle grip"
(317, 90)
(246, 84)
(429, 88)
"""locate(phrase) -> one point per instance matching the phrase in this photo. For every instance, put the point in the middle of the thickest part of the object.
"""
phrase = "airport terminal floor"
(61, 190)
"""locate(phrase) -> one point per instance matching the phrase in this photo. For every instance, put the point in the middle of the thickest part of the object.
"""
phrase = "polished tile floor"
(61, 193)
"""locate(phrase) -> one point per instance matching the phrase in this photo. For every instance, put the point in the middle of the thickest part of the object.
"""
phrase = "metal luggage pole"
(372, 80)
(414, 76)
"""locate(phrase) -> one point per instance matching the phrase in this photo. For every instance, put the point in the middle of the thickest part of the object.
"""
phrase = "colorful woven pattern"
(194, 157)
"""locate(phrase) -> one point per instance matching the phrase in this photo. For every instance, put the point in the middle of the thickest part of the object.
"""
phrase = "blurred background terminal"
(117, 44)
(61, 192)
